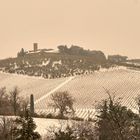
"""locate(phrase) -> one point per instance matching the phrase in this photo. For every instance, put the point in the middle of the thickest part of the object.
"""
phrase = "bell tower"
(35, 47)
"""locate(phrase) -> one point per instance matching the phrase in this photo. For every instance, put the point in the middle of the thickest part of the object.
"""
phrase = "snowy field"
(29, 85)
(46, 126)
(87, 89)
(90, 89)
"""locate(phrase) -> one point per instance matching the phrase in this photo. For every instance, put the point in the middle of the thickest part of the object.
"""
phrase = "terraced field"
(90, 89)
(86, 89)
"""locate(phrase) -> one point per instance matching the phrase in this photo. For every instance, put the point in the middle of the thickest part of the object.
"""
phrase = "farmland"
(29, 85)
(86, 89)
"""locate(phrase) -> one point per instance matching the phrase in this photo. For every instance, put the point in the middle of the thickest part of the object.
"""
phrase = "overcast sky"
(112, 26)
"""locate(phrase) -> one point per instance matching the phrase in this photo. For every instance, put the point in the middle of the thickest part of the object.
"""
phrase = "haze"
(112, 26)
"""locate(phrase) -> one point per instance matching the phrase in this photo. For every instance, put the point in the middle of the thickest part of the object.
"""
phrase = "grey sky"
(112, 26)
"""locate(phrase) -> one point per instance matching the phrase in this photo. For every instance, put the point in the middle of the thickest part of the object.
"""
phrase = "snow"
(112, 69)
(85, 89)
(32, 52)
(27, 63)
(15, 66)
(29, 85)
(52, 51)
(44, 126)
(54, 90)
(132, 63)
(47, 51)
(56, 62)
(45, 63)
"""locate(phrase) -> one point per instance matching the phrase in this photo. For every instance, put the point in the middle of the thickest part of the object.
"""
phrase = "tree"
(32, 104)
(21, 53)
(6, 125)
(85, 130)
(76, 50)
(137, 101)
(137, 122)
(3, 100)
(65, 135)
(2, 92)
(25, 128)
(63, 49)
(72, 131)
(14, 100)
(24, 103)
(116, 122)
(3, 96)
(63, 102)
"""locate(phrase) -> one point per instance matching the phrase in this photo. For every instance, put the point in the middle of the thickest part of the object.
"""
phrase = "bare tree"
(24, 105)
(6, 126)
(14, 100)
(4, 102)
(62, 101)
(85, 130)
(2, 92)
(2, 95)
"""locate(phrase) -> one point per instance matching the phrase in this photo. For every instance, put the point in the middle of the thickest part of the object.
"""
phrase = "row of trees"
(21, 126)
(12, 104)
(76, 50)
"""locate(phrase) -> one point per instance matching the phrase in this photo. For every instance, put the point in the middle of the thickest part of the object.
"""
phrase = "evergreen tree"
(32, 104)
(25, 127)
(21, 53)
(116, 122)
(65, 135)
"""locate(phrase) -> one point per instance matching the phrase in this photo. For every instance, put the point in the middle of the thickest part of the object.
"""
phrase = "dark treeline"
(11, 103)
(16, 121)
(77, 50)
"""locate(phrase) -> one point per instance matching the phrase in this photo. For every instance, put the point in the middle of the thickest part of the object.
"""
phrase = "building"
(117, 58)
(37, 50)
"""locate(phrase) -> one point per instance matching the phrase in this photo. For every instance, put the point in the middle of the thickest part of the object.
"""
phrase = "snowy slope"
(90, 89)
(86, 89)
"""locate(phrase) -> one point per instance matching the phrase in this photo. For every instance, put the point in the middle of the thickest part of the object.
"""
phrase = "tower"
(35, 45)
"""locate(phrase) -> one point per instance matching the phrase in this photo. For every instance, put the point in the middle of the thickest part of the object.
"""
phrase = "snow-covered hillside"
(29, 85)
(89, 89)
(86, 89)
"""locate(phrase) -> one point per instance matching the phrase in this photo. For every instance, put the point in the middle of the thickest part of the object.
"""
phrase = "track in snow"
(54, 90)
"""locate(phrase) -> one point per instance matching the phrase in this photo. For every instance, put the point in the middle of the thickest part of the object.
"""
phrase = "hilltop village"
(62, 62)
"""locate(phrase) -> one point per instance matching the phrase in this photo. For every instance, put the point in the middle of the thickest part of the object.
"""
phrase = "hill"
(86, 89)
(50, 64)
